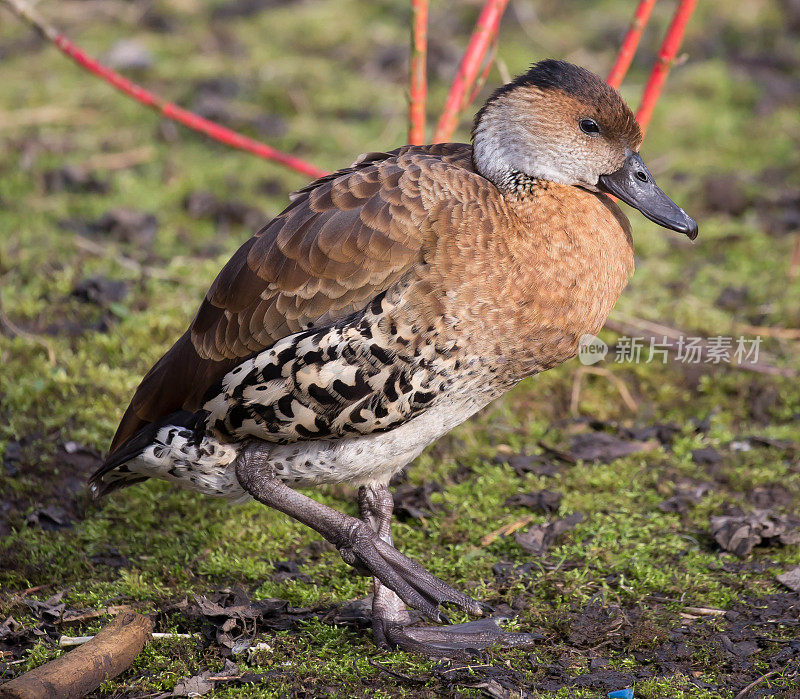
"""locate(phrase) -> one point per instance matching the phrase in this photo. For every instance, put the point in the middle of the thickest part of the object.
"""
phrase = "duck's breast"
(548, 271)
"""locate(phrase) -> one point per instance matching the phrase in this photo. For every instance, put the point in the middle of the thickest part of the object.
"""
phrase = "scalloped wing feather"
(343, 240)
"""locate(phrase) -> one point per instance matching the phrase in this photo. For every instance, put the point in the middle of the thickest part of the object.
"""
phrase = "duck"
(388, 303)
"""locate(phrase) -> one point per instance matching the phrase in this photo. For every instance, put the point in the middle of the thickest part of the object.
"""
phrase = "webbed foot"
(455, 640)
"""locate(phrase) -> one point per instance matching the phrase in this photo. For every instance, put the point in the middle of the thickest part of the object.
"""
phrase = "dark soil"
(756, 636)
(59, 497)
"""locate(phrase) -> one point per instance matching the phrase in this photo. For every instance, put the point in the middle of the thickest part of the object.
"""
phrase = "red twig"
(417, 81)
(666, 56)
(630, 43)
(169, 110)
(484, 76)
(485, 30)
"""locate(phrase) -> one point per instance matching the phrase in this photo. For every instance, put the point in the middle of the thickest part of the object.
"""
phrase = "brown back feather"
(343, 240)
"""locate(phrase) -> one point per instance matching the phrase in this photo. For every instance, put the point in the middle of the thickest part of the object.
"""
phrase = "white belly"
(209, 467)
(372, 458)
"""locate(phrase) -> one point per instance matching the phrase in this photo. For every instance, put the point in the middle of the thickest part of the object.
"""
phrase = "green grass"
(317, 66)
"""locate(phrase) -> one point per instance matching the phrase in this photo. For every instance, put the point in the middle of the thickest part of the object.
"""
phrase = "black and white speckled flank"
(355, 401)
(362, 375)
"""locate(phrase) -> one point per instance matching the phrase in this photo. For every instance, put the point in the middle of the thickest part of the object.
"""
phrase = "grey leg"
(390, 621)
(358, 543)
(376, 505)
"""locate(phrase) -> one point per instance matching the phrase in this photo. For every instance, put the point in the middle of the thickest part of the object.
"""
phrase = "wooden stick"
(119, 161)
(618, 383)
(171, 111)
(72, 641)
(417, 79)
(659, 329)
(485, 30)
(634, 327)
(753, 685)
(108, 253)
(82, 670)
(794, 260)
(704, 611)
(47, 114)
(506, 529)
(630, 43)
(769, 331)
(6, 322)
(666, 57)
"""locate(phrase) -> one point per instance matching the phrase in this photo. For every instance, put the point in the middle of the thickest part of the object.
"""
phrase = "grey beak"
(634, 185)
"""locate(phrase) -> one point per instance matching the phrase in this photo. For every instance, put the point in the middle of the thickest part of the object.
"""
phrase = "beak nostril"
(633, 184)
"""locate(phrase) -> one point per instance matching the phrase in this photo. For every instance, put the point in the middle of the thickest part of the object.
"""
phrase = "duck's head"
(561, 123)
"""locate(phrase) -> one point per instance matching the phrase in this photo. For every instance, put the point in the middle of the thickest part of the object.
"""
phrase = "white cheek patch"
(500, 153)
(505, 144)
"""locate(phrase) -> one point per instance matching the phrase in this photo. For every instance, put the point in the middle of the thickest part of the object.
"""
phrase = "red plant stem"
(417, 81)
(630, 43)
(484, 76)
(485, 30)
(666, 56)
(169, 110)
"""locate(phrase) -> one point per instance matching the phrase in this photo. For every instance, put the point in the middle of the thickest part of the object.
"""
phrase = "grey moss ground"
(81, 321)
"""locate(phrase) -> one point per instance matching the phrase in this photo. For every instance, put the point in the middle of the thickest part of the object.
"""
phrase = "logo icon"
(591, 350)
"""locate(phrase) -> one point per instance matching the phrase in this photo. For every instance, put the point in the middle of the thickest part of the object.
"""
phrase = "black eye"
(589, 126)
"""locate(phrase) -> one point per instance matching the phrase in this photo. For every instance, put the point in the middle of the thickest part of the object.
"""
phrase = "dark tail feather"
(114, 474)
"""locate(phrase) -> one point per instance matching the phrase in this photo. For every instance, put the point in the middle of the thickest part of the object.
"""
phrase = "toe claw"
(486, 608)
